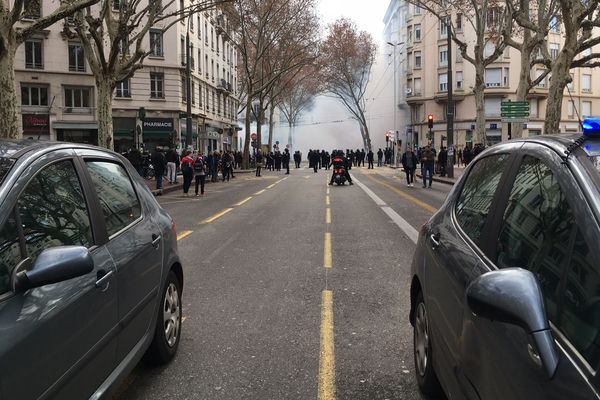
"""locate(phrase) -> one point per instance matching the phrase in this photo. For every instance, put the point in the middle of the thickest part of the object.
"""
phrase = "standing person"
(409, 163)
(159, 162)
(362, 157)
(327, 160)
(187, 168)
(226, 166)
(324, 159)
(458, 157)
(259, 161)
(278, 160)
(297, 159)
(172, 157)
(286, 161)
(467, 155)
(428, 160)
(135, 158)
(200, 174)
(379, 158)
(443, 160)
(370, 156)
(315, 161)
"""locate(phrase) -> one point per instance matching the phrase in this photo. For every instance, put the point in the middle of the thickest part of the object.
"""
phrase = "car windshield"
(5, 165)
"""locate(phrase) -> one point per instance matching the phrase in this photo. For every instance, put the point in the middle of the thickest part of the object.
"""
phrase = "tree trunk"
(8, 97)
(291, 129)
(479, 92)
(364, 129)
(271, 112)
(524, 81)
(246, 156)
(560, 71)
(259, 121)
(105, 89)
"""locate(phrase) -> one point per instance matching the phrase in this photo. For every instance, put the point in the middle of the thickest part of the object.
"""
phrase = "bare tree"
(488, 19)
(11, 37)
(347, 56)
(114, 45)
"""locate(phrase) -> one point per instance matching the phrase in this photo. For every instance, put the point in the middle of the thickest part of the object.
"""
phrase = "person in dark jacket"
(259, 162)
(159, 162)
(172, 158)
(285, 159)
(380, 158)
(339, 161)
(428, 162)
(135, 158)
(467, 156)
(362, 157)
(409, 163)
(370, 156)
(443, 161)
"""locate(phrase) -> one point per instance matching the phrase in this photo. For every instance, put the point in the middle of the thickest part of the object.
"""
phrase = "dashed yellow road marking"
(407, 196)
(272, 185)
(327, 263)
(217, 216)
(327, 354)
(328, 216)
(327, 201)
(183, 234)
(243, 201)
(260, 192)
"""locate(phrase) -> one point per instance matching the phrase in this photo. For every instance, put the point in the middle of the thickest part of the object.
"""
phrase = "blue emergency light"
(591, 127)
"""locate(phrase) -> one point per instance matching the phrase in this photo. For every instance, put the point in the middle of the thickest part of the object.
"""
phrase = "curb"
(439, 180)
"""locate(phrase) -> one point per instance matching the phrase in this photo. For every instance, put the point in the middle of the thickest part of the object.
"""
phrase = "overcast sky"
(368, 14)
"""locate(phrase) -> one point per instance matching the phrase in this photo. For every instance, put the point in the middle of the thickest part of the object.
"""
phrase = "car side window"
(539, 233)
(53, 211)
(478, 193)
(10, 252)
(119, 203)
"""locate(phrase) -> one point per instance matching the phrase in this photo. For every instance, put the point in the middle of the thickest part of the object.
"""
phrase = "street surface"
(286, 300)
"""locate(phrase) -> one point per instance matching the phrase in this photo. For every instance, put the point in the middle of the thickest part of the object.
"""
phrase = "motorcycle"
(339, 176)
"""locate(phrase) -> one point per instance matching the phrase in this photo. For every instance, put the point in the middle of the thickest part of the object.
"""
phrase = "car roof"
(558, 142)
(16, 149)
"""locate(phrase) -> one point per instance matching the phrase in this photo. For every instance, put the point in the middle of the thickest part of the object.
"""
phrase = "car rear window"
(5, 166)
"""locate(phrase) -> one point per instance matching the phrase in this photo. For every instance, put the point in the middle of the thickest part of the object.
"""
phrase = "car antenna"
(579, 141)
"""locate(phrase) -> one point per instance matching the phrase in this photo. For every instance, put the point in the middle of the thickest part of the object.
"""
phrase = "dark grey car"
(90, 279)
(505, 294)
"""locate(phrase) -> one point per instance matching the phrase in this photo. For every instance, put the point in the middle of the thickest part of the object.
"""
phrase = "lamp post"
(395, 128)
(188, 83)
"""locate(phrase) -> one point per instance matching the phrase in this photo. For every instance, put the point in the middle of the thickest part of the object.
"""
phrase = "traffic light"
(430, 121)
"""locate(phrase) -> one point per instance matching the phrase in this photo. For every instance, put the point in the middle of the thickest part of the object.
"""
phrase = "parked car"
(90, 278)
(505, 294)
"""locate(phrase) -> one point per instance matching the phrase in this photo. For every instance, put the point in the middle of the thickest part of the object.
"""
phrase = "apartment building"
(57, 90)
(426, 84)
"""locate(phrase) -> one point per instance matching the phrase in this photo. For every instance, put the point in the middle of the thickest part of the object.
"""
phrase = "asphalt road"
(286, 300)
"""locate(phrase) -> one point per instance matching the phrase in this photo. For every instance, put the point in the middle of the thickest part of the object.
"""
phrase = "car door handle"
(103, 277)
(156, 240)
(435, 240)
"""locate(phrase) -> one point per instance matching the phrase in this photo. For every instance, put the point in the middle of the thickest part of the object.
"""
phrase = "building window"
(183, 89)
(116, 5)
(199, 61)
(494, 16)
(417, 83)
(443, 28)
(533, 108)
(493, 77)
(122, 89)
(34, 95)
(570, 109)
(459, 79)
(76, 57)
(492, 106)
(586, 109)
(554, 49)
(193, 93)
(458, 24)
(417, 9)
(156, 43)
(443, 82)
(554, 25)
(586, 83)
(506, 77)
(199, 28)
(417, 59)
(182, 47)
(33, 54)
(443, 56)
(417, 32)
(157, 85)
(32, 9)
(78, 98)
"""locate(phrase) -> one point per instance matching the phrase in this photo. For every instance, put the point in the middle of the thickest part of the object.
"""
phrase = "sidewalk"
(167, 187)
(458, 171)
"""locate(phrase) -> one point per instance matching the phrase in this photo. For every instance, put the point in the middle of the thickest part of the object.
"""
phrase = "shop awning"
(74, 125)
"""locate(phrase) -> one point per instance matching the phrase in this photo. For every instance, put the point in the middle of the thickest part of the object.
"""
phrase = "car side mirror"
(56, 264)
(513, 296)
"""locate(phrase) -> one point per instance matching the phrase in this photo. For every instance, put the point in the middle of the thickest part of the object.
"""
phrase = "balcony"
(222, 86)
(220, 24)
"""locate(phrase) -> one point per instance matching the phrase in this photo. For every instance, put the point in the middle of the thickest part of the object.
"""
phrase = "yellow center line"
(271, 186)
(327, 202)
(260, 192)
(327, 263)
(217, 216)
(327, 355)
(328, 216)
(183, 234)
(407, 196)
(327, 189)
(243, 201)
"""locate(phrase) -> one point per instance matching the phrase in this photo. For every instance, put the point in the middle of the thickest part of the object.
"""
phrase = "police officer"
(286, 161)
(339, 161)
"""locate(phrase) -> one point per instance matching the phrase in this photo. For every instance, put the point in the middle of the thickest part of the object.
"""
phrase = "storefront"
(36, 126)
(493, 134)
(123, 134)
(158, 132)
(209, 141)
(183, 130)
(76, 132)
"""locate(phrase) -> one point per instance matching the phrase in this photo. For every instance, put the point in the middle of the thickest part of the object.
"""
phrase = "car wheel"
(168, 323)
(426, 377)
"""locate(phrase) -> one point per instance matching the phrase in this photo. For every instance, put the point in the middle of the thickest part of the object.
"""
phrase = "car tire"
(422, 350)
(167, 331)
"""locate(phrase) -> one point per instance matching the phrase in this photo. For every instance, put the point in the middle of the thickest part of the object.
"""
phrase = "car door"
(57, 340)
(453, 257)
(134, 244)
(546, 227)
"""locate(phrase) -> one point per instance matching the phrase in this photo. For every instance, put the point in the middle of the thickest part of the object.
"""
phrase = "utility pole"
(188, 70)
(450, 108)
(394, 146)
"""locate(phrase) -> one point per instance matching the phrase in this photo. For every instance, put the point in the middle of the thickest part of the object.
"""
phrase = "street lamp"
(394, 45)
